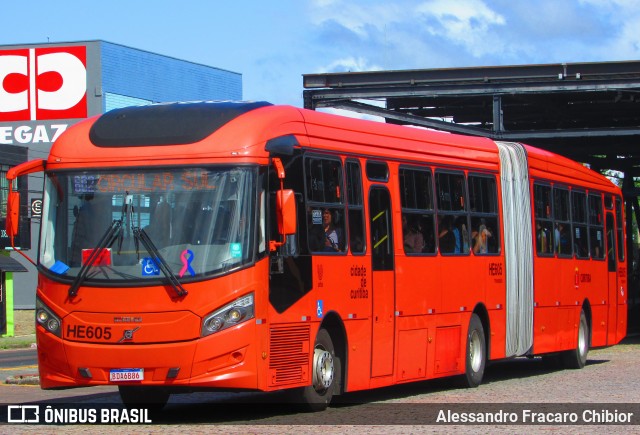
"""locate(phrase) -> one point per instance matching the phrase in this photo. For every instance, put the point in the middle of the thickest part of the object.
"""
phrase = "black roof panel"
(166, 124)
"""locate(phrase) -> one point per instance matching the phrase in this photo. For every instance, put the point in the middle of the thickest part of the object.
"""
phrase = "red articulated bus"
(246, 246)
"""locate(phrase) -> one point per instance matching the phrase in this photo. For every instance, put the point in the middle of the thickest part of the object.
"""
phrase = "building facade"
(46, 88)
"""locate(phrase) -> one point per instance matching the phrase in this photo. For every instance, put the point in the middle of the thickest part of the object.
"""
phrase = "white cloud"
(357, 16)
(405, 34)
(622, 42)
(470, 23)
(349, 64)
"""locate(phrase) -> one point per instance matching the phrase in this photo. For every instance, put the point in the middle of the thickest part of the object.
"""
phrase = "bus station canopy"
(589, 112)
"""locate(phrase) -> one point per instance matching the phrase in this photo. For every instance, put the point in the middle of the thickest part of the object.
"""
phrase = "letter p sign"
(43, 83)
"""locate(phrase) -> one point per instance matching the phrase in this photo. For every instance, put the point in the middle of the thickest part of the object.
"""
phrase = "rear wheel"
(476, 353)
(577, 358)
(318, 395)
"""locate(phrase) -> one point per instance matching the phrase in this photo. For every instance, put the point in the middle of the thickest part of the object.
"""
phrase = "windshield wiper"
(143, 237)
(106, 241)
(113, 233)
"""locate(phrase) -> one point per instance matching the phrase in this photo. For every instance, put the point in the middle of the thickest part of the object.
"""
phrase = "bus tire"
(577, 358)
(476, 353)
(153, 398)
(318, 395)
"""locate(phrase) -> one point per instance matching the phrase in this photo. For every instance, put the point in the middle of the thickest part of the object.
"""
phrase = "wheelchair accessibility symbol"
(149, 267)
(319, 308)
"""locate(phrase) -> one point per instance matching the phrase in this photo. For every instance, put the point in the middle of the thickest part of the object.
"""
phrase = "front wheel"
(476, 353)
(577, 358)
(318, 395)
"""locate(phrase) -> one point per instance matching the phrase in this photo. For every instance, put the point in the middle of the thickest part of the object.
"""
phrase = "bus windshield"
(200, 221)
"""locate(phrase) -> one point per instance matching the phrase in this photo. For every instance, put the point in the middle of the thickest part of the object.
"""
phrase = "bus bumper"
(226, 360)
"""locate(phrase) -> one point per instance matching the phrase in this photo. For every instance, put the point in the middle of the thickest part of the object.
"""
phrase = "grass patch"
(17, 342)
(25, 329)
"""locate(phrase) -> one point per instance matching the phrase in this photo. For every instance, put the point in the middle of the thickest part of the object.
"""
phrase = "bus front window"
(199, 219)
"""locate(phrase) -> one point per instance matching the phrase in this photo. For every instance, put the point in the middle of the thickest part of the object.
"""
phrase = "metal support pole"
(498, 115)
(631, 208)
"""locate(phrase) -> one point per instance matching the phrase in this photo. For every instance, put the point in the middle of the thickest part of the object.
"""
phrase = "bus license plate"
(125, 375)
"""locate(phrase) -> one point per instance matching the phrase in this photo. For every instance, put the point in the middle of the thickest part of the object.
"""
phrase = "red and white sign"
(43, 83)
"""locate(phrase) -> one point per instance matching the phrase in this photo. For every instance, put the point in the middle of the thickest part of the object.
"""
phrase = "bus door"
(622, 283)
(612, 278)
(383, 282)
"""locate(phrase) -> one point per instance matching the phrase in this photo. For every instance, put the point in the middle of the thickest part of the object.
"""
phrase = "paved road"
(18, 357)
(610, 377)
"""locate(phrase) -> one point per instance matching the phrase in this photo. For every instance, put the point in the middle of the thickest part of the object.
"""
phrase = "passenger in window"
(430, 242)
(562, 240)
(542, 238)
(466, 244)
(413, 239)
(457, 247)
(333, 239)
(357, 245)
(461, 236)
(475, 231)
(446, 238)
(481, 245)
(580, 246)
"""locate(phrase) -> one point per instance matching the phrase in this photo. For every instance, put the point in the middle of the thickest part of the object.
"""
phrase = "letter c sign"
(43, 83)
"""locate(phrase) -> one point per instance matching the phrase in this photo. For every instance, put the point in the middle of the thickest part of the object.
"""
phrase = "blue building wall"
(137, 76)
(116, 101)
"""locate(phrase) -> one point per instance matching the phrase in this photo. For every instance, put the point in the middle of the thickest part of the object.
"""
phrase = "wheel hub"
(582, 340)
(323, 369)
(475, 351)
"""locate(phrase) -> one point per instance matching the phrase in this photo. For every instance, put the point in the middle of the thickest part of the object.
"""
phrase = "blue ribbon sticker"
(187, 258)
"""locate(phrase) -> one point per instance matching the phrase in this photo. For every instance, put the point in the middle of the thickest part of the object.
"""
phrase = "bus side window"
(543, 219)
(620, 229)
(325, 201)
(562, 229)
(596, 226)
(355, 206)
(418, 215)
(452, 216)
(483, 201)
(580, 234)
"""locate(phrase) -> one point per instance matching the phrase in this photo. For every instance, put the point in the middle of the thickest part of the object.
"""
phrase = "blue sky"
(273, 42)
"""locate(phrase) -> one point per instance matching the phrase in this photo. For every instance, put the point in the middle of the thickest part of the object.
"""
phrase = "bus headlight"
(231, 314)
(46, 318)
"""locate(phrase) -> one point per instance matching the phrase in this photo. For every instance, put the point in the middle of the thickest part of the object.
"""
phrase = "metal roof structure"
(589, 112)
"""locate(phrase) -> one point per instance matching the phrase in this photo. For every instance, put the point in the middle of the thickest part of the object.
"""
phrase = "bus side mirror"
(13, 200)
(13, 214)
(286, 211)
